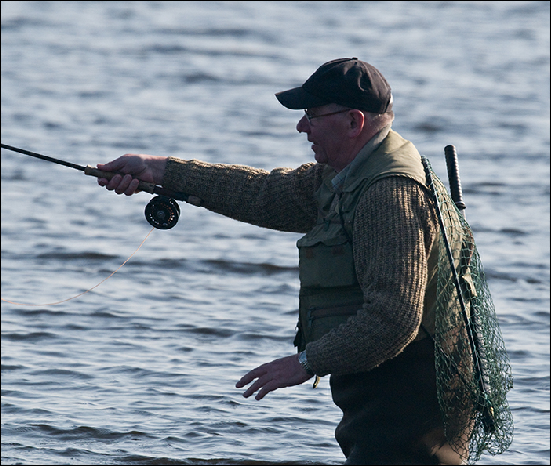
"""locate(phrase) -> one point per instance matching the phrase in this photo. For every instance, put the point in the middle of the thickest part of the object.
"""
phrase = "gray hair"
(380, 120)
(377, 121)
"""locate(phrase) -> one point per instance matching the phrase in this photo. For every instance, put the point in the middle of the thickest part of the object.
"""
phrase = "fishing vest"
(329, 289)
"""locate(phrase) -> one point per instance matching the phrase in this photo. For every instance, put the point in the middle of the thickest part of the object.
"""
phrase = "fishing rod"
(161, 212)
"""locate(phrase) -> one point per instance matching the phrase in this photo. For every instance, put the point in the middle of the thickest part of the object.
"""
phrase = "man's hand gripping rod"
(161, 212)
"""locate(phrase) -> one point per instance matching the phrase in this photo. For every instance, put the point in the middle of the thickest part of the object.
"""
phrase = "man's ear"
(356, 123)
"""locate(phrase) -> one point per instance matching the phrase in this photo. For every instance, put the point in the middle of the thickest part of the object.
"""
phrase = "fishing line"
(161, 212)
(87, 291)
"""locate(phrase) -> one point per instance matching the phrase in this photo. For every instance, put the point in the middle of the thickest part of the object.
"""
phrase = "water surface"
(142, 369)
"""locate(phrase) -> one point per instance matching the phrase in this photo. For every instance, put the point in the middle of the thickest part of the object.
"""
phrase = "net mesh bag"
(472, 365)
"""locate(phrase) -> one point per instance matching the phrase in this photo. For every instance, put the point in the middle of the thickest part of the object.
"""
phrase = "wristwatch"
(304, 363)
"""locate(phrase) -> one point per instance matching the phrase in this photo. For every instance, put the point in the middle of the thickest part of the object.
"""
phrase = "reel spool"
(162, 212)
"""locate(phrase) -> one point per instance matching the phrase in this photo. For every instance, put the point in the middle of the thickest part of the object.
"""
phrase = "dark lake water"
(142, 369)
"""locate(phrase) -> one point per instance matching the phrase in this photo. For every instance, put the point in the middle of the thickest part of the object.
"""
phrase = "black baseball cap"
(344, 81)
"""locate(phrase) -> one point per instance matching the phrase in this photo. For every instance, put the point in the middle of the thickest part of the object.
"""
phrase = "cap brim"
(298, 98)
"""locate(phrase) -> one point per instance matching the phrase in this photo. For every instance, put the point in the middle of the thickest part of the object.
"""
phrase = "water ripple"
(143, 369)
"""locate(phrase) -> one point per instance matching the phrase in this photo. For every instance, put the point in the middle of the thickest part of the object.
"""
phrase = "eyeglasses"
(310, 117)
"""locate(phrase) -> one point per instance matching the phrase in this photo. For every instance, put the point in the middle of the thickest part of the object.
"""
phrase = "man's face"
(326, 128)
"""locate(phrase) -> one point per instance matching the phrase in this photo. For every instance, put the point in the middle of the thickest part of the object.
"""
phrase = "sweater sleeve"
(393, 231)
(282, 199)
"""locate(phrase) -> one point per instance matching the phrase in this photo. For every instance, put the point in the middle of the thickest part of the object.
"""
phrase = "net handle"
(453, 178)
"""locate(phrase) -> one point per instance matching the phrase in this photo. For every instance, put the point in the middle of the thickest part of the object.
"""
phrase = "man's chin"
(320, 158)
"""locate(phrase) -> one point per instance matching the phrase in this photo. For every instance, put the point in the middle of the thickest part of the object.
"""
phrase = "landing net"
(472, 365)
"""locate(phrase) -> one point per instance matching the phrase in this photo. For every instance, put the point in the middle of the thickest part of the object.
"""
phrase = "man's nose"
(303, 125)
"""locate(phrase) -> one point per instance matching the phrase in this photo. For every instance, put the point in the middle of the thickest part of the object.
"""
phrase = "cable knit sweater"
(394, 227)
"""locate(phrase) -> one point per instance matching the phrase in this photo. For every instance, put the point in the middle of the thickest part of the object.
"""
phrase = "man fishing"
(367, 260)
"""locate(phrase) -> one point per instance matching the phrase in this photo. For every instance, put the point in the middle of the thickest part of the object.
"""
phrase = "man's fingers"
(132, 187)
(253, 388)
(265, 384)
(127, 161)
(269, 387)
(112, 166)
(123, 185)
(245, 380)
(120, 184)
(263, 379)
(250, 376)
(114, 182)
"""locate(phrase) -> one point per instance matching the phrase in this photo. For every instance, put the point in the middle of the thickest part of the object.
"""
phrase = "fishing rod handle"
(453, 177)
(143, 186)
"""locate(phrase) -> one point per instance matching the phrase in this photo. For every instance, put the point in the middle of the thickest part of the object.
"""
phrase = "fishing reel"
(162, 212)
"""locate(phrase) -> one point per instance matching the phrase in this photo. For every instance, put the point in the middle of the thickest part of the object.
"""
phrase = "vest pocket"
(321, 320)
(327, 264)
(321, 310)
